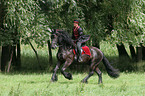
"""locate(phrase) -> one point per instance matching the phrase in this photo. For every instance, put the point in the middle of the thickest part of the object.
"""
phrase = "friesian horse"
(66, 56)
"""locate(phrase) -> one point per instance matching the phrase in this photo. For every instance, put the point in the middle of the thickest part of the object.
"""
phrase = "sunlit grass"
(30, 81)
(32, 84)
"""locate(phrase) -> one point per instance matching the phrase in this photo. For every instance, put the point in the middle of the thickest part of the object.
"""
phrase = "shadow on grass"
(30, 65)
(71, 82)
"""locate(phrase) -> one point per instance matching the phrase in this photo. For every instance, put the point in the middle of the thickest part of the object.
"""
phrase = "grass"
(29, 61)
(31, 81)
(38, 84)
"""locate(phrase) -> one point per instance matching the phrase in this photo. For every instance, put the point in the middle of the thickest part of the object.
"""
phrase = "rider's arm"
(80, 30)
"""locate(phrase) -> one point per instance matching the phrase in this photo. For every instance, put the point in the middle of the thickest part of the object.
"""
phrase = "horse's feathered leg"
(54, 76)
(85, 80)
(66, 74)
(97, 70)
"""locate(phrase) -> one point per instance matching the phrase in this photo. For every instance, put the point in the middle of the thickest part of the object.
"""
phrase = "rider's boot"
(80, 59)
(79, 52)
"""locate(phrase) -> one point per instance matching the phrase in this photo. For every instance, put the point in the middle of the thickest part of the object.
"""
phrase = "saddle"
(85, 50)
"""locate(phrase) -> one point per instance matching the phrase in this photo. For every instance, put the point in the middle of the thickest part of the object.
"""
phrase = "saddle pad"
(86, 50)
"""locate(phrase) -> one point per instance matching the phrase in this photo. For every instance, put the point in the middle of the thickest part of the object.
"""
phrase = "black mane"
(64, 39)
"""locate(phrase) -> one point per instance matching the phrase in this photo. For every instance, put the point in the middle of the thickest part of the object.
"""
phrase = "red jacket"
(77, 32)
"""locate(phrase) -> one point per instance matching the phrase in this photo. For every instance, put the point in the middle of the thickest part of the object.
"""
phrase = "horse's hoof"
(84, 81)
(53, 80)
(100, 83)
(70, 77)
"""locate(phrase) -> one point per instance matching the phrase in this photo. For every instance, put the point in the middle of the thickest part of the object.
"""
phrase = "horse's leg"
(97, 70)
(54, 76)
(85, 80)
(66, 74)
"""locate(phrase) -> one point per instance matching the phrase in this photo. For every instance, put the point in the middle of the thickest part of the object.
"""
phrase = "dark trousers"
(79, 48)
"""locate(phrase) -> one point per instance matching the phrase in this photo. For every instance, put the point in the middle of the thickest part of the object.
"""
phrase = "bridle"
(56, 35)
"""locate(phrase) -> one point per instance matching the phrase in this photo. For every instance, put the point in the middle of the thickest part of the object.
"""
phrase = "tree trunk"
(143, 53)
(133, 54)
(0, 56)
(124, 59)
(16, 61)
(18, 56)
(122, 51)
(139, 54)
(6, 50)
(50, 52)
(35, 53)
(10, 62)
(14, 56)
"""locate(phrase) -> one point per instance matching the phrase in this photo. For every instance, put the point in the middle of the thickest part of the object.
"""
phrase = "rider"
(79, 38)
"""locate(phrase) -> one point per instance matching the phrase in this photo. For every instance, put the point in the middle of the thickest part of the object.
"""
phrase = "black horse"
(66, 56)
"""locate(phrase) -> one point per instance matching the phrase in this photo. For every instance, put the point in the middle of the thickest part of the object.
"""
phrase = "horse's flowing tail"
(112, 72)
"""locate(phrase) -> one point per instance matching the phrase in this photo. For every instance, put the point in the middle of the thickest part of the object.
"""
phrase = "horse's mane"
(65, 39)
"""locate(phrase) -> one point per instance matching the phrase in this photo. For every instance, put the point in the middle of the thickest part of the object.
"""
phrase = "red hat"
(76, 21)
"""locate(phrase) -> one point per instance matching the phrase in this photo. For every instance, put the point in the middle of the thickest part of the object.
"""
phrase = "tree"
(4, 36)
(21, 19)
(128, 23)
(118, 22)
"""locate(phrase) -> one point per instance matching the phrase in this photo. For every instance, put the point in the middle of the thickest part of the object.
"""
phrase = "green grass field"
(38, 84)
(31, 81)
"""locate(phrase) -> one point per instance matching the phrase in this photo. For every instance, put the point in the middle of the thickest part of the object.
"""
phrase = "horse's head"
(61, 38)
(54, 40)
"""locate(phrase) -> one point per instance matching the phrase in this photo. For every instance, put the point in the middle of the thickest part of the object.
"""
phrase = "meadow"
(31, 81)
(38, 84)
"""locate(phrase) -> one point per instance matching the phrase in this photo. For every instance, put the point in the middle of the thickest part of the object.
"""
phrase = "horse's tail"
(112, 72)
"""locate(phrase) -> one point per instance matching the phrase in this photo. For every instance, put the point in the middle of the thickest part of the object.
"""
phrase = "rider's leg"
(79, 51)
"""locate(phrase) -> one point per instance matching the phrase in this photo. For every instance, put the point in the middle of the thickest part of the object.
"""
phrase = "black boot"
(80, 59)
(79, 52)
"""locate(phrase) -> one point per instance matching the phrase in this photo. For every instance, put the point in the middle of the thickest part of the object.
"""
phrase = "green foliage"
(34, 18)
(128, 22)
(126, 19)
(61, 13)
(25, 20)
